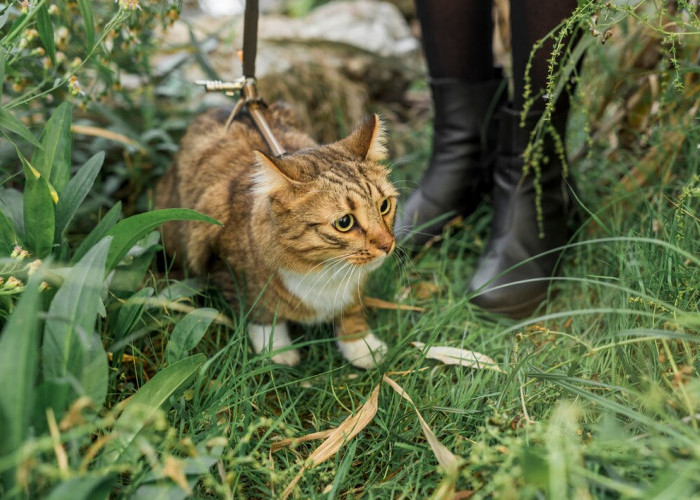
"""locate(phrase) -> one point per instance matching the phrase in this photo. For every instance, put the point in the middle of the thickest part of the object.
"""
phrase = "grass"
(599, 397)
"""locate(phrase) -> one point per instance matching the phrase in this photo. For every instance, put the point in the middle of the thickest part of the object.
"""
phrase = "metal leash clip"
(245, 87)
(229, 88)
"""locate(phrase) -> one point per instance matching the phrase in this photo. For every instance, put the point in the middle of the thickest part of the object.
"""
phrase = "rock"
(377, 27)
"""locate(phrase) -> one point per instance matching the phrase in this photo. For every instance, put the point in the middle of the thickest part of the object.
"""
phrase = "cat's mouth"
(369, 264)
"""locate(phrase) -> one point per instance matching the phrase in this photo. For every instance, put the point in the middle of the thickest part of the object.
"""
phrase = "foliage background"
(124, 378)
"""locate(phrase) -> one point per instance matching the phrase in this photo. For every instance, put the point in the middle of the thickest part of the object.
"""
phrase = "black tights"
(457, 36)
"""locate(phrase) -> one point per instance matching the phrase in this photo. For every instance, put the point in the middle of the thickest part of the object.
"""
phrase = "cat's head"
(330, 204)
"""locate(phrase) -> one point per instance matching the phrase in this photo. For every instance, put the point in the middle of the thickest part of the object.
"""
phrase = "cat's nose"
(385, 243)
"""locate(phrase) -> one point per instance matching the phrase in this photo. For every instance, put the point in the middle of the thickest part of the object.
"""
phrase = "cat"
(301, 232)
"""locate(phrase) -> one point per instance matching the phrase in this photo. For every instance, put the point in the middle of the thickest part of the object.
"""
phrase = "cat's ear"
(273, 174)
(368, 140)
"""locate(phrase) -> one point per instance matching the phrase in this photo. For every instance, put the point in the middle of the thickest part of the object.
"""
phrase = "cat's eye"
(385, 206)
(344, 223)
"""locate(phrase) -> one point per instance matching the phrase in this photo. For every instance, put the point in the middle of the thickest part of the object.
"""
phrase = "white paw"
(290, 357)
(274, 338)
(365, 353)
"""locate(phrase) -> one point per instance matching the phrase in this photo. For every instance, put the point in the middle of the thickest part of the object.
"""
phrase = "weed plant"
(122, 378)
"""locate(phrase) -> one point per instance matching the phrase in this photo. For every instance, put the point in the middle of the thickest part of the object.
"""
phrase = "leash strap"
(246, 87)
(250, 37)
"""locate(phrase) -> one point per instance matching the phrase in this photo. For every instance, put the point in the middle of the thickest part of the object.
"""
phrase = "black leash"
(246, 86)
(250, 37)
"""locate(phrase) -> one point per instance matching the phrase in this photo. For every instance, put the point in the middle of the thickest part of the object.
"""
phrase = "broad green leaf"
(69, 334)
(155, 485)
(12, 124)
(12, 205)
(94, 376)
(19, 353)
(88, 22)
(162, 489)
(49, 394)
(129, 274)
(143, 406)
(130, 313)
(45, 29)
(83, 488)
(2, 56)
(8, 237)
(128, 277)
(39, 215)
(100, 231)
(188, 332)
(75, 192)
(3, 19)
(129, 231)
(54, 159)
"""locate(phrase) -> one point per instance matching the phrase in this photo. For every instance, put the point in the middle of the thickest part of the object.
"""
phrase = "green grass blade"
(19, 354)
(12, 124)
(129, 231)
(39, 214)
(69, 348)
(83, 488)
(188, 332)
(620, 409)
(45, 29)
(342, 471)
(144, 405)
(8, 237)
(54, 158)
(75, 192)
(88, 22)
(100, 231)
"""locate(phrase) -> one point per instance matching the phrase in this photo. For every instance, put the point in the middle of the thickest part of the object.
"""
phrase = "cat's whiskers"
(404, 263)
(336, 268)
(331, 265)
(407, 230)
(349, 275)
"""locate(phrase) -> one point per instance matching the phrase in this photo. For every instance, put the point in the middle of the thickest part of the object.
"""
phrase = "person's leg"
(516, 234)
(457, 37)
(531, 20)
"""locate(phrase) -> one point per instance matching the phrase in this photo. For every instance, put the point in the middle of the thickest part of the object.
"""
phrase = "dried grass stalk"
(339, 436)
(383, 304)
(278, 445)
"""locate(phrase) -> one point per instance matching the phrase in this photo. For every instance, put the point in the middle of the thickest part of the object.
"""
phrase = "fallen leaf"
(445, 457)
(337, 437)
(456, 356)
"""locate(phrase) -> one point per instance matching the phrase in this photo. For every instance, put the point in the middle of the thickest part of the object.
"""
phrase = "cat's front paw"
(289, 358)
(260, 336)
(364, 353)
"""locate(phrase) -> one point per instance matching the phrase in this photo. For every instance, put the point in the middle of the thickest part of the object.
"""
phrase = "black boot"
(516, 233)
(458, 174)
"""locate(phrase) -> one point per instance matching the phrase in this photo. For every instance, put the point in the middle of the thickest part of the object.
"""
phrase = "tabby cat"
(300, 232)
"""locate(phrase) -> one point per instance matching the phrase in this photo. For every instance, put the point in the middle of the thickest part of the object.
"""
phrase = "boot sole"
(519, 311)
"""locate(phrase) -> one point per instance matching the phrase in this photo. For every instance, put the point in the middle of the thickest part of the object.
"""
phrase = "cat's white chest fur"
(327, 291)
